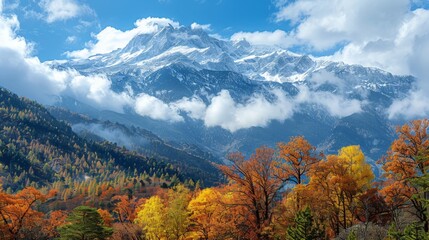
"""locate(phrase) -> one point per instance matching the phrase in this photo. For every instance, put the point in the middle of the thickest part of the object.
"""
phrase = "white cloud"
(223, 111)
(413, 50)
(277, 38)
(257, 111)
(194, 107)
(401, 54)
(414, 106)
(406, 53)
(205, 27)
(61, 10)
(71, 39)
(323, 24)
(40, 81)
(96, 91)
(10, 5)
(324, 77)
(385, 34)
(18, 70)
(154, 108)
(27, 76)
(335, 104)
(8, 38)
(110, 38)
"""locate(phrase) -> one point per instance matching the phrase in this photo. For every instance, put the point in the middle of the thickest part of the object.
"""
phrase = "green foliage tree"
(411, 232)
(304, 228)
(84, 223)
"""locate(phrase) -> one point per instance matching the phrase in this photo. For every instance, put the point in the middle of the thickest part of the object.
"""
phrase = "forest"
(56, 185)
(291, 192)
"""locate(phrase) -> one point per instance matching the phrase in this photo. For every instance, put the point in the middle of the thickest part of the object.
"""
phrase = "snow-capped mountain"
(331, 103)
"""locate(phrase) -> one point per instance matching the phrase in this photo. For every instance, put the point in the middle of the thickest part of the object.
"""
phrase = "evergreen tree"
(84, 223)
(304, 228)
(411, 232)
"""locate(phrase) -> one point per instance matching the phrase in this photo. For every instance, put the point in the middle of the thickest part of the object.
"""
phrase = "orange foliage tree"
(56, 219)
(125, 207)
(17, 215)
(406, 169)
(298, 156)
(215, 214)
(105, 215)
(335, 184)
(259, 182)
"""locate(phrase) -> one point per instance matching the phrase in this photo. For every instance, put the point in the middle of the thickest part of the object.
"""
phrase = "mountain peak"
(168, 37)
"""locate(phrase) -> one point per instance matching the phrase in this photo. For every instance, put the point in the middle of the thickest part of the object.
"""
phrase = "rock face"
(332, 104)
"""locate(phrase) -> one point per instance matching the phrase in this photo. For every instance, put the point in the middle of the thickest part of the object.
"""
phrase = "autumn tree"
(336, 182)
(215, 214)
(107, 218)
(204, 210)
(259, 181)
(177, 213)
(372, 208)
(84, 223)
(127, 231)
(407, 165)
(151, 218)
(297, 157)
(56, 219)
(17, 214)
(124, 208)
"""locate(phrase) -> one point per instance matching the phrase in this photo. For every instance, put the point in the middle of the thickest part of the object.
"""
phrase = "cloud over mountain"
(391, 35)
(110, 38)
(220, 108)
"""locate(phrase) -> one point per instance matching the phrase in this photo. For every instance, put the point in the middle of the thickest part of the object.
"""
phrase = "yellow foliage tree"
(205, 211)
(177, 214)
(152, 218)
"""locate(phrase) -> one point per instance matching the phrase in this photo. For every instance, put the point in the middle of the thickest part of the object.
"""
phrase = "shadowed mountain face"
(224, 96)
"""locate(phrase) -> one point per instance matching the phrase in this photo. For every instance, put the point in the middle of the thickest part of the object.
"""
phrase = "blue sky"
(52, 37)
(225, 17)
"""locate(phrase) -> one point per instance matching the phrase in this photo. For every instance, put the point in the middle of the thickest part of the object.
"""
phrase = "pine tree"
(84, 223)
(305, 228)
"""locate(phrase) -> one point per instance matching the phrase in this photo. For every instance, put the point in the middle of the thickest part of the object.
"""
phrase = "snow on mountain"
(194, 48)
(232, 95)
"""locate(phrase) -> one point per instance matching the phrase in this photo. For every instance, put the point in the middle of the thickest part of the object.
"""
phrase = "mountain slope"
(36, 149)
(189, 159)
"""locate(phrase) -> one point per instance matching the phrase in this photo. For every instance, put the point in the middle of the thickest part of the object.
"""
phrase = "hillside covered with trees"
(57, 185)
